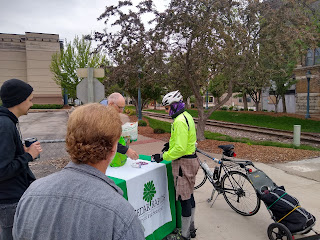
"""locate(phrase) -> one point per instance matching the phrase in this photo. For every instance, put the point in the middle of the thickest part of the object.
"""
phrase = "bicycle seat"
(226, 148)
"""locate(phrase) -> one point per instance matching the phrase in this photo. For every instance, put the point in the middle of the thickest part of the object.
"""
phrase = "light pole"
(139, 95)
(65, 91)
(308, 75)
(65, 96)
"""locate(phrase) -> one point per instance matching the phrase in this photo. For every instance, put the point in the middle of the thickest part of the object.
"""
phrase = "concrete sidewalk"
(221, 222)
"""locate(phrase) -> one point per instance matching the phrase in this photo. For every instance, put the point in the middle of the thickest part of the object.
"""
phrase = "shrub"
(250, 109)
(142, 123)
(132, 112)
(159, 130)
(224, 108)
(231, 108)
(265, 110)
(126, 110)
(47, 106)
(241, 109)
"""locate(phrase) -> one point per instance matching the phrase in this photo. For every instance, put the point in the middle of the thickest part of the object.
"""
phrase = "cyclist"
(181, 151)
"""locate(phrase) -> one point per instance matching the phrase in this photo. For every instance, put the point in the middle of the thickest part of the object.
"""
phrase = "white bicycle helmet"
(171, 97)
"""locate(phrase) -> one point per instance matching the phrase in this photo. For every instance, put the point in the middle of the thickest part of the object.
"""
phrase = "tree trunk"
(187, 103)
(135, 103)
(257, 105)
(245, 102)
(201, 124)
(276, 106)
(284, 106)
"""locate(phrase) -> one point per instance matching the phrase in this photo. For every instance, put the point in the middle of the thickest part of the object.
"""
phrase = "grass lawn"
(282, 123)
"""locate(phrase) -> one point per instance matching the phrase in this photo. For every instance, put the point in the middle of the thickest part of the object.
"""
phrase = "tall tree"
(74, 55)
(277, 33)
(193, 41)
(136, 64)
(280, 84)
(285, 37)
(203, 39)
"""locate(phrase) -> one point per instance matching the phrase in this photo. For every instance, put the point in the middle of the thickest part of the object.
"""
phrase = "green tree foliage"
(175, 79)
(280, 84)
(203, 39)
(193, 43)
(278, 33)
(135, 61)
(74, 55)
(218, 86)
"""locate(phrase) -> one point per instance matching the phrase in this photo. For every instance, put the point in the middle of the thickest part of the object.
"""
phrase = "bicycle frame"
(236, 167)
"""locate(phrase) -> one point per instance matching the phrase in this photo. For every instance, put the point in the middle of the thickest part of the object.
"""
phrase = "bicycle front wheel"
(240, 194)
(201, 178)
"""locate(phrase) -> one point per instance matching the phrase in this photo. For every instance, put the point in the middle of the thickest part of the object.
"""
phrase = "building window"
(248, 99)
(310, 58)
(317, 56)
(240, 99)
(313, 57)
(211, 99)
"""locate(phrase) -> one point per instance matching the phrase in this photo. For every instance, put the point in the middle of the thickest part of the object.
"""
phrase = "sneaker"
(193, 233)
(175, 237)
(193, 230)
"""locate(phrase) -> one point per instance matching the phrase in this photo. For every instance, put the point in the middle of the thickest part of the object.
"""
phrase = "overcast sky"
(67, 18)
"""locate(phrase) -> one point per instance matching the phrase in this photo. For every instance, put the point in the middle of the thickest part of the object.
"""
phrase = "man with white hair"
(118, 102)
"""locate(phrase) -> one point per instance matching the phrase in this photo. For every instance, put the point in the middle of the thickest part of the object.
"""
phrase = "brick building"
(309, 62)
(28, 57)
(314, 90)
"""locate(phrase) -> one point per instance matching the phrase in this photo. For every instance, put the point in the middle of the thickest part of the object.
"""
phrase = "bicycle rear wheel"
(200, 180)
(240, 194)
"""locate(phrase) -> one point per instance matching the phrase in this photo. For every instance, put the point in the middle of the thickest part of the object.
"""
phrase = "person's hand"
(34, 150)
(157, 157)
(166, 147)
(132, 154)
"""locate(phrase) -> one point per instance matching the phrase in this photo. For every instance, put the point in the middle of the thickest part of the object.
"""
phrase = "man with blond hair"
(80, 201)
(117, 101)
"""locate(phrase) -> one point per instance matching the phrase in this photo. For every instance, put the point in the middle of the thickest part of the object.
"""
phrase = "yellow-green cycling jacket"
(183, 137)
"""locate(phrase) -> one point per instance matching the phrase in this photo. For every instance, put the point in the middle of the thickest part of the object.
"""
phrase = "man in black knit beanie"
(15, 174)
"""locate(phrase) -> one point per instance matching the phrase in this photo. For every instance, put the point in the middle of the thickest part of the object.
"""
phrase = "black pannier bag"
(287, 210)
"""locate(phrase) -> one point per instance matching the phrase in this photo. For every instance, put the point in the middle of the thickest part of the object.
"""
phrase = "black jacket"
(15, 174)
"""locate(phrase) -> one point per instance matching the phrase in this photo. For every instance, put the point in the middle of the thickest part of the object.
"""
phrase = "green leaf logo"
(149, 191)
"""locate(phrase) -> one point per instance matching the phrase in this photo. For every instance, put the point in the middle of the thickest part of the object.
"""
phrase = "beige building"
(28, 58)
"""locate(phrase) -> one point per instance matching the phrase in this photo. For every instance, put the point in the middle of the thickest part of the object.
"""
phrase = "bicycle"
(234, 184)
